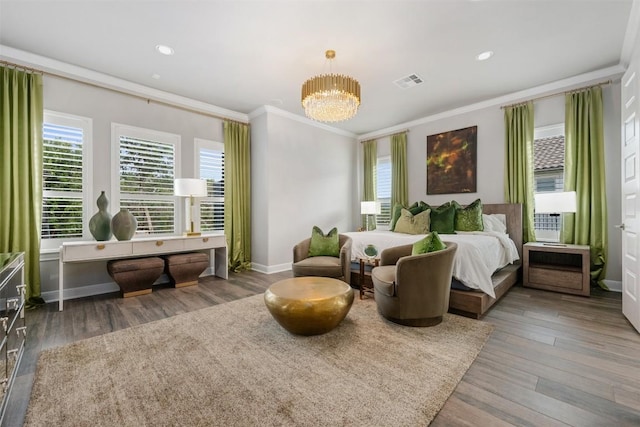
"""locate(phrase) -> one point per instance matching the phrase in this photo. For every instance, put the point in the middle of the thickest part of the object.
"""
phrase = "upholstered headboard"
(513, 213)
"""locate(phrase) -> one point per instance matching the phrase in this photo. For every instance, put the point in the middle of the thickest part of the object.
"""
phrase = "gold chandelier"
(330, 97)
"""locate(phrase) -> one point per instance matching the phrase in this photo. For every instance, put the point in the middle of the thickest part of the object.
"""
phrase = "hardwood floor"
(552, 359)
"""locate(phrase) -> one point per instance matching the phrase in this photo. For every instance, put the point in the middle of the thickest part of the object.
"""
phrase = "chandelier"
(330, 97)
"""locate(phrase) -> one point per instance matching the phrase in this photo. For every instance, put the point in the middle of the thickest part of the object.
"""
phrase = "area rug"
(233, 365)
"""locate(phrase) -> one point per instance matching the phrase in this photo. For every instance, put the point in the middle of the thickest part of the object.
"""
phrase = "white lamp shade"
(559, 202)
(369, 208)
(190, 187)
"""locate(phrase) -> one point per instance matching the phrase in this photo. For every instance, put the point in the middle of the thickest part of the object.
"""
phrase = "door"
(631, 196)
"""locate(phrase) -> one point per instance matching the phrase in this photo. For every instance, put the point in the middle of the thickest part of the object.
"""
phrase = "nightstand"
(557, 267)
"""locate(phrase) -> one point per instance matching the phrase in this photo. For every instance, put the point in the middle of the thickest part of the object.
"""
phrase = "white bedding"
(479, 254)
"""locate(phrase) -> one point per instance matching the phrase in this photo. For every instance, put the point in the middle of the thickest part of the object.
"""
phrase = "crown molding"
(289, 115)
(631, 35)
(84, 75)
(612, 73)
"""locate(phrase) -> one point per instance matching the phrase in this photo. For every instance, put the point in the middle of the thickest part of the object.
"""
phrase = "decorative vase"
(100, 223)
(371, 251)
(124, 224)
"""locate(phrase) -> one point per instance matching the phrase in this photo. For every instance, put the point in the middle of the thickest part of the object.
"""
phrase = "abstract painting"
(451, 161)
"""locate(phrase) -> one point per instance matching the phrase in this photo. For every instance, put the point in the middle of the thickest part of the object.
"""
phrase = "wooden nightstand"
(557, 267)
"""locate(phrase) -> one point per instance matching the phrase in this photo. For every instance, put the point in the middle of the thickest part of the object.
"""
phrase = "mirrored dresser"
(14, 330)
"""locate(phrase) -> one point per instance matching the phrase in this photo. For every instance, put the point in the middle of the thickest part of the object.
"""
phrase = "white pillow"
(495, 222)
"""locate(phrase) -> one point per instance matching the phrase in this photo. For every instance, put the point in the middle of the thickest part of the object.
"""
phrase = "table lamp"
(555, 203)
(369, 208)
(190, 187)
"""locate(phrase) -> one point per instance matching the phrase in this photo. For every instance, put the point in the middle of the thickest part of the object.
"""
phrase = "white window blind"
(383, 191)
(147, 173)
(211, 165)
(63, 171)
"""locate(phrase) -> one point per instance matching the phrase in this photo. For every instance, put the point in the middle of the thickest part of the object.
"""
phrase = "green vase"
(124, 225)
(371, 251)
(100, 223)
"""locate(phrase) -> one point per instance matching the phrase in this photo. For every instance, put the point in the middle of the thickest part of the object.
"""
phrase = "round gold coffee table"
(309, 305)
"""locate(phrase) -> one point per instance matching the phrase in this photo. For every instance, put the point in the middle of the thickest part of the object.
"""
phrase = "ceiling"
(245, 54)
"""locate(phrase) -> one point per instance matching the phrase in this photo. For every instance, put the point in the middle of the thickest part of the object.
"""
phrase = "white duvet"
(479, 254)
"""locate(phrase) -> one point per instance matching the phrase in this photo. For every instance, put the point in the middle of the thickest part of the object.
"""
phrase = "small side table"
(362, 285)
(557, 267)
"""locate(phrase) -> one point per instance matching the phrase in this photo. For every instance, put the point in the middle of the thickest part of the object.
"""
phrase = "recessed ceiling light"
(165, 50)
(484, 55)
(155, 76)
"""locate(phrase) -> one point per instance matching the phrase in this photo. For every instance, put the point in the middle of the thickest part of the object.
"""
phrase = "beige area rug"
(233, 365)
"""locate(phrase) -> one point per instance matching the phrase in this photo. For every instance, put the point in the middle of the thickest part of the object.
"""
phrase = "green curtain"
(584, 174)
(369, 192)
(518, 183)
(237, 195)
(399, 186)
(21, 115)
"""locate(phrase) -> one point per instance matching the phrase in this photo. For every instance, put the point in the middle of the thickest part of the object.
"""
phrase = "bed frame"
(476, 303)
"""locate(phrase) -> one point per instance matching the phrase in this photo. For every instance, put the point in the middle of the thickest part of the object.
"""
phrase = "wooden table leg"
(361, 278)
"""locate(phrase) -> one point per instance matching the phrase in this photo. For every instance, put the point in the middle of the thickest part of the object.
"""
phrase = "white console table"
(215, 244)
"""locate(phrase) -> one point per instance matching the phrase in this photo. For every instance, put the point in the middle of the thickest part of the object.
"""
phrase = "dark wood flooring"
(552, 359)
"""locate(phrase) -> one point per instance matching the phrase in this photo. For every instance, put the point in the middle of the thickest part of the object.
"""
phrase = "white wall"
(309, 175)
(104, 107)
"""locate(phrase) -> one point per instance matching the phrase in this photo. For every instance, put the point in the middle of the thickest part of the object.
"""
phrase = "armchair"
(326, 266)
(413, 290)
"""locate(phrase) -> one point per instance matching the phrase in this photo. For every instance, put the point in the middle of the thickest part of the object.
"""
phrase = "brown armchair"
(413, 290)
(326, 266)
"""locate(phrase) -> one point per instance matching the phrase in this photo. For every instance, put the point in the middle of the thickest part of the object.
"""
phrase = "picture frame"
(452, 161)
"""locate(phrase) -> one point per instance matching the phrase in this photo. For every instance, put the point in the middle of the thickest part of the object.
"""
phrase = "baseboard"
(613, 285)
(270, 269)
(81, 291)
(90, 290)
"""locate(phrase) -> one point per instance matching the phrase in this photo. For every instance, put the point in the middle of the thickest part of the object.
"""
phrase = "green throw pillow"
(413, 224)
(470, 217)
(430, 243)
(397, 209)
(443, 219)
(322, 245)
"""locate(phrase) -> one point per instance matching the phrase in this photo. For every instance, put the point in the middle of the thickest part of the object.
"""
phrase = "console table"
(73, 252)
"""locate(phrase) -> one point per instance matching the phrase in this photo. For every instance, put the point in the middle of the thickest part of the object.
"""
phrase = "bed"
(487, 264)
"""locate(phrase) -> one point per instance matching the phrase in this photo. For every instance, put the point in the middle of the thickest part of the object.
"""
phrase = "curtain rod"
(149, 100)
(384, 135)
(551, 95)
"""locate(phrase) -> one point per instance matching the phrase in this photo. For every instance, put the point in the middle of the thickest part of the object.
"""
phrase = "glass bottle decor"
(100, 223)
(124, 224)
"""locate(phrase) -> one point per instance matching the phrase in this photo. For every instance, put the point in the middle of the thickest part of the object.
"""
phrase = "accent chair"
(325, 266)
(413, 290)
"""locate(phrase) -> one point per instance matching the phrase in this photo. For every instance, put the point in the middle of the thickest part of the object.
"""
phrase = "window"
(383, 191)
(548, 153)
(147, 166)
(66, 144)
(210, 164)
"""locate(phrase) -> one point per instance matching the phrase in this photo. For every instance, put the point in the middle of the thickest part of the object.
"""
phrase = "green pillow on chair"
(469, 218)
(324, 245)
(431, 243)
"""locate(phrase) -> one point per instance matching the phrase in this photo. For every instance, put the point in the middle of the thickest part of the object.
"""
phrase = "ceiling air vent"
(409, 81)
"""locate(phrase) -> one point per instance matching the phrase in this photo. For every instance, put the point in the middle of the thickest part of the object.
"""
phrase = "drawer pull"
(21, 289)
(205, 239)
(100, 247)
(159, 243)
(4, 321)
(13, 303)
(22, 330)
(13, 353)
